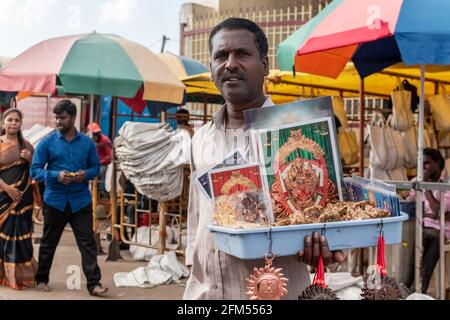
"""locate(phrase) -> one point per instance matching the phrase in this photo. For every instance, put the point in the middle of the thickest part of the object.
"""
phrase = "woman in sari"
(17, 265)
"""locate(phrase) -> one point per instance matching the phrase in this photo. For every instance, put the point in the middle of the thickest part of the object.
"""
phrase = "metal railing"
(420, 187)
(174, 210)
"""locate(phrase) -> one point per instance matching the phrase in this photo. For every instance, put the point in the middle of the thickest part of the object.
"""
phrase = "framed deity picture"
(300, 165)
(239, 196)
(232, 159)
(230, 180)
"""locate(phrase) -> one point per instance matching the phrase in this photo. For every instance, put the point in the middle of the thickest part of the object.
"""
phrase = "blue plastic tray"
(288, 240)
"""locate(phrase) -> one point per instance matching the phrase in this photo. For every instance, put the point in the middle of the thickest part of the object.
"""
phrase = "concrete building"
(278, 18)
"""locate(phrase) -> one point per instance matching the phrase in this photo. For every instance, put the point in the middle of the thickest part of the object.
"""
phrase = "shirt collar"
(219, 117)
(60, 135)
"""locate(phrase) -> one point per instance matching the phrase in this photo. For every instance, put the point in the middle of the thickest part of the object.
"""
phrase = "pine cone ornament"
(317, 292)
(387, 289)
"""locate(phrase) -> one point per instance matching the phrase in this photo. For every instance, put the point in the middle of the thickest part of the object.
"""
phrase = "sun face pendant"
(267, 283)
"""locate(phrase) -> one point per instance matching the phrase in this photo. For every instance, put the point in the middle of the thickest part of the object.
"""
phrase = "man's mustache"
(228, 75)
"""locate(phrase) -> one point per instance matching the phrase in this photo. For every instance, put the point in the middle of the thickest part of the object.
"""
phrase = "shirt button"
(214, 286)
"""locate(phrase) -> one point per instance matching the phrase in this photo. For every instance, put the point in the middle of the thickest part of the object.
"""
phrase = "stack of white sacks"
(151, 156)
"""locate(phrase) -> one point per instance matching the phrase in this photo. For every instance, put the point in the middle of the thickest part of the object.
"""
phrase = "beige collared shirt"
(216, 275)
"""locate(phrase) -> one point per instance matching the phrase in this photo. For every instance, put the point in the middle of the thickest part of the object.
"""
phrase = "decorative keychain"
(318, 290)
(380, 286)
(267, 283)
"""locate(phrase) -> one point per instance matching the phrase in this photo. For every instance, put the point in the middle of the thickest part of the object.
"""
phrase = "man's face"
(64, 122)
(237, 68)
(182, 118)
(96, 136)
(431, 168)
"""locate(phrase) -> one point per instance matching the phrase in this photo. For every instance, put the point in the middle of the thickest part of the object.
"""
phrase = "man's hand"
(80, 176)
(65, 177)
(317, 246)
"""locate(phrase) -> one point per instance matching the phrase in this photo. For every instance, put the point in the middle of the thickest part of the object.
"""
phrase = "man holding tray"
(238, 65)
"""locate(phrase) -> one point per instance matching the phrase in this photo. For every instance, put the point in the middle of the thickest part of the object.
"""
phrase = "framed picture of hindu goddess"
(238, 195)
(300, 165)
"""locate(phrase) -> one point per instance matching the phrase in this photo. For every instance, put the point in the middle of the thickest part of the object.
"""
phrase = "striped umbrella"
(93, 63)
(182, 66)
(3, 61)
(374, 34)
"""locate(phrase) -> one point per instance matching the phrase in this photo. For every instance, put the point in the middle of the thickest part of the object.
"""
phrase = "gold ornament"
(298, 141)
(237, 179)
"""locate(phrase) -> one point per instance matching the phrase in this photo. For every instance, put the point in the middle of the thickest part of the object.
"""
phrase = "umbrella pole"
(114, 246)
(91, 112)
(419, 196)
(361, 128)
(361, 156)
(94, 185)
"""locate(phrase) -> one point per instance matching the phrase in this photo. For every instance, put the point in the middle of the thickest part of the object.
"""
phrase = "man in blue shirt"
(66, 160)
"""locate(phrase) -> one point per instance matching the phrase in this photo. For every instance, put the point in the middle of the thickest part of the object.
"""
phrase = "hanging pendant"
(386, 289)
(380, 286)
(317, 292)
(267, 283)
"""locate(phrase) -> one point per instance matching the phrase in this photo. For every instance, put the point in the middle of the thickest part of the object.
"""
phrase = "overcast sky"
(24, 23)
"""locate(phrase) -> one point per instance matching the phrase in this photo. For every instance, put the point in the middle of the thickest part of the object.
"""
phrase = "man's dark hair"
(185, 119)
(182, 111)
(239, 23)
(436, 156)
(65, 105)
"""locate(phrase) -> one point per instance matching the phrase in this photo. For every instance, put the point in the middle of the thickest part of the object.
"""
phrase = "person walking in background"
(66, 160)
(17, 265)
(104, 149)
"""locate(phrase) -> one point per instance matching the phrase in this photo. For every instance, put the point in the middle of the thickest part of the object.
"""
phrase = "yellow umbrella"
(348, 82)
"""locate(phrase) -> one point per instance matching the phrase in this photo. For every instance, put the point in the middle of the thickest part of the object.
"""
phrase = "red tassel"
(381, 263)
(319, 277)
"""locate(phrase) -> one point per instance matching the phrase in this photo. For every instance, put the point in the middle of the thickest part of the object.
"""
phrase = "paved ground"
(67, 255)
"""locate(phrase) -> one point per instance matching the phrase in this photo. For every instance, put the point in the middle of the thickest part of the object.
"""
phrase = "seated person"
(433, 171)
